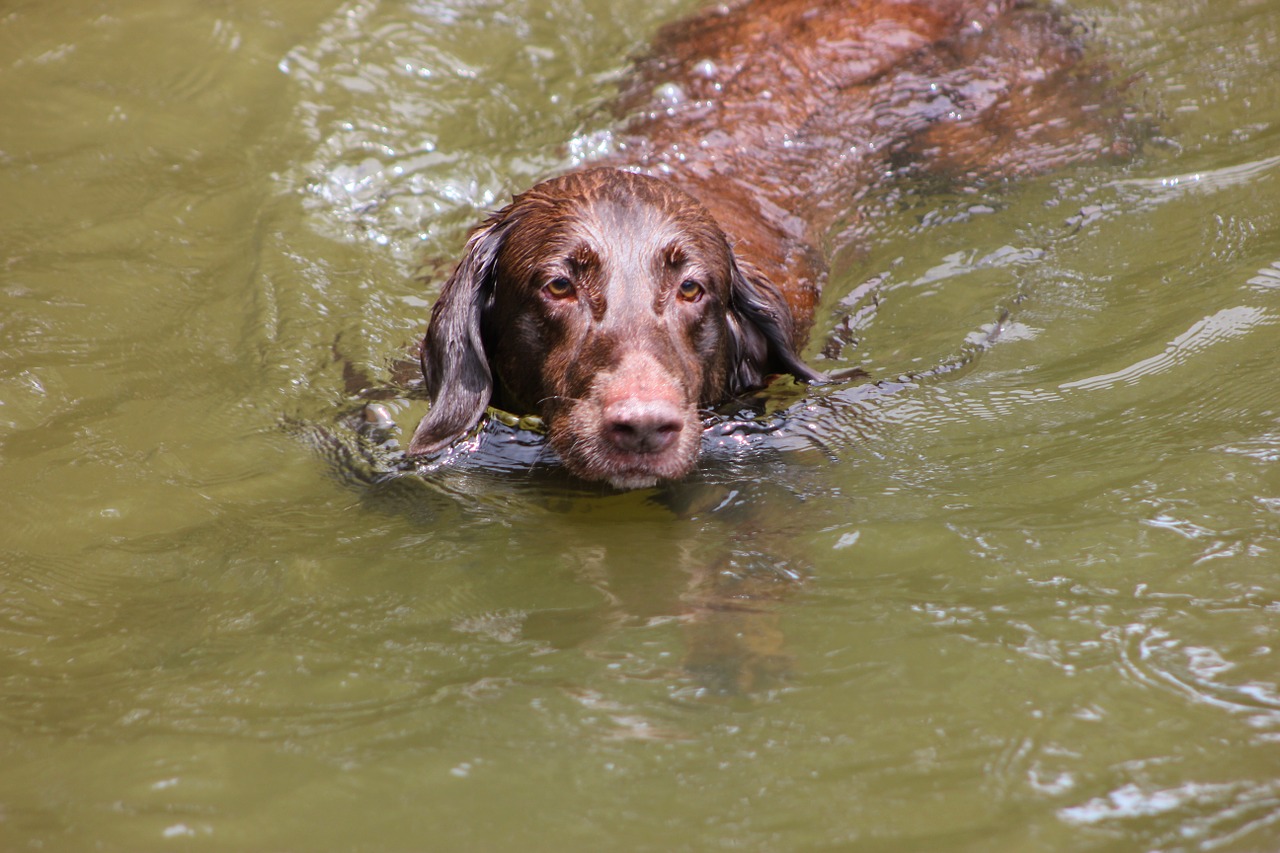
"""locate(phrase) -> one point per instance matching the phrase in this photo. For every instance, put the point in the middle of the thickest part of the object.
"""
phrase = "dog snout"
(642, 426)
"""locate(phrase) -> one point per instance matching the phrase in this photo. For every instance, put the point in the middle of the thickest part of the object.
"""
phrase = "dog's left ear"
(761, 333)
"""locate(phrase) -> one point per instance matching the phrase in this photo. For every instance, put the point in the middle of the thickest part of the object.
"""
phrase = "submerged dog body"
(682, 269)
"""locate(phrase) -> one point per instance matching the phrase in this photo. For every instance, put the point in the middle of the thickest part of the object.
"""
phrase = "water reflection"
(719, 556)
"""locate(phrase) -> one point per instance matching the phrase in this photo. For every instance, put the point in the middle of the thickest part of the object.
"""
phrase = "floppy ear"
(454, 362)
(761, 333)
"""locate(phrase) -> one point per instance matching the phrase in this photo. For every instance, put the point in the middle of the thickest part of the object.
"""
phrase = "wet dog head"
(611, 304)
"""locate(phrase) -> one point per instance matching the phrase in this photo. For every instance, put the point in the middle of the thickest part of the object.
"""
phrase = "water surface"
(1029, 603)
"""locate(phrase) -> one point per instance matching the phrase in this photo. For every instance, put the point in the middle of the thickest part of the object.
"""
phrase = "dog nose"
(642, 426)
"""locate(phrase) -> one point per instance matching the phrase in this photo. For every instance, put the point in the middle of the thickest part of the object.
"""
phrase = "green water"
(1030, 604)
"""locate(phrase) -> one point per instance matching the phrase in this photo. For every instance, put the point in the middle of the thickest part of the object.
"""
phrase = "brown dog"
(682, 269)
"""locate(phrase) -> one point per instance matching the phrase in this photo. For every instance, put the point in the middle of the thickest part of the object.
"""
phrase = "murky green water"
(1031, 604)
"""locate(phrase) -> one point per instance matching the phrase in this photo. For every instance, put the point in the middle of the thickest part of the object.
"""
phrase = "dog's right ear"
(454, 362)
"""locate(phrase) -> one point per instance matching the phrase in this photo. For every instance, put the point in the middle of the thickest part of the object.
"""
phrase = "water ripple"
(1224, 325)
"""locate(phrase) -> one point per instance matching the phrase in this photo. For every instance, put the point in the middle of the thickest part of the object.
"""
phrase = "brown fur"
(683, 268)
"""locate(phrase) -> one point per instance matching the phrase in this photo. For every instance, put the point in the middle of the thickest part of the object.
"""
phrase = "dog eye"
(689, 290)
(559, 288)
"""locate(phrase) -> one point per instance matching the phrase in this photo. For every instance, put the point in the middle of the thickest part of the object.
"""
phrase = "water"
(1029, 603)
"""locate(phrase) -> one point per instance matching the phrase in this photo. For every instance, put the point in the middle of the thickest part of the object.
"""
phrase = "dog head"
(611, 304)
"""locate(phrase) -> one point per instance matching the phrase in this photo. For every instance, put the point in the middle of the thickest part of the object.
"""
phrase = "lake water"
(1031, 603)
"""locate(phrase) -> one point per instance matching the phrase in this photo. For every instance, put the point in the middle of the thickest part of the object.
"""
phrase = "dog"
(682, 268)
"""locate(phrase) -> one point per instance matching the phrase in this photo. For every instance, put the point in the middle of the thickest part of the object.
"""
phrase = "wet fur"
(790, 113)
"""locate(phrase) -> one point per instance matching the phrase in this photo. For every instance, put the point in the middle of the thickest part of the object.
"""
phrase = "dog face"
(611, 304)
